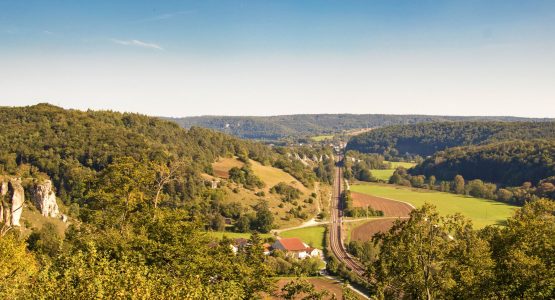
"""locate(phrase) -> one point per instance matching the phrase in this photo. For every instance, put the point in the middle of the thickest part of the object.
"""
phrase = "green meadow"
(233, 235)
(385, 174)
(483, 212)
(313, 236)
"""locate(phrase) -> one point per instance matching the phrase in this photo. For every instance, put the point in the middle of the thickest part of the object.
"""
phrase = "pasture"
(270, 176)
(483, 212)
(234, 235)
(320, 138)
(385, 174)
(313, 236)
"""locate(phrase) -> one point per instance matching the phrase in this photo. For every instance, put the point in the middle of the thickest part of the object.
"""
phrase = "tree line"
(425, 139)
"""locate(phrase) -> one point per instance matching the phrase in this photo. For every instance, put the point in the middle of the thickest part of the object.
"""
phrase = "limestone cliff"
(13, 196)
(4, 214)
(45, 199)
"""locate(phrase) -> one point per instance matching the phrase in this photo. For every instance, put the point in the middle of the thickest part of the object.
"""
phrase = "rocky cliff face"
(13, 196)
(4, 215)
(45, 199)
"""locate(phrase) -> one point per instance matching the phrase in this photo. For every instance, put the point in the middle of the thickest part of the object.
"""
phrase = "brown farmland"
(366, 231)
(332, 286)
(390, 208)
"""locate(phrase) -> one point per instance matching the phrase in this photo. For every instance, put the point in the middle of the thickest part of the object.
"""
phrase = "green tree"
(432, 257)
(121, 188)
(45, 240)
(303, 288)
(264, 221)
(458, 185)
(524, 252)
(432, 182)
(17, 266)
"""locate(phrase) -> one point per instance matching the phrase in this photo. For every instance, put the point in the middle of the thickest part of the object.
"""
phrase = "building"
(294, 247)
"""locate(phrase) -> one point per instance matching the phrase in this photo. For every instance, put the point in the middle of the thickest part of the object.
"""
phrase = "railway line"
(336, 240)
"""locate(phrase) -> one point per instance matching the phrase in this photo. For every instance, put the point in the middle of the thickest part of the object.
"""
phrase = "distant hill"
(279, 127)
(508, 163)
(427, 138)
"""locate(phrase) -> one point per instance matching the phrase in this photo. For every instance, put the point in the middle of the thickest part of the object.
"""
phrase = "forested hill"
(278, 127)
(509, 163)
(427, 138)
(72, 146)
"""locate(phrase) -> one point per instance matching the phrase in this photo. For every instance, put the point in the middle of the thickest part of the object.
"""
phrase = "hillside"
(509, 163)
(427, 138)
(277, 127)
(305, 205)
(72, 146)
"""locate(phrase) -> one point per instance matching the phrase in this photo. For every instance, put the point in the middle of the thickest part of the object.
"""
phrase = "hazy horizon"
(261, 58)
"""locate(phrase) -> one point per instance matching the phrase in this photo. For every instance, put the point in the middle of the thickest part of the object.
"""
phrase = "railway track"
(336, 240)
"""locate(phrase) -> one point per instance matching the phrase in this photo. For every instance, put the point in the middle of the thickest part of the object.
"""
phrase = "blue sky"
(181, 58)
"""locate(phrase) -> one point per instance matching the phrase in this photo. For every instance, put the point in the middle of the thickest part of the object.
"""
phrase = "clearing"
(385, 174)
(313, 236)
(234, 235)
(320, 138)
(483, 212)
(270, 176)
(223, 165)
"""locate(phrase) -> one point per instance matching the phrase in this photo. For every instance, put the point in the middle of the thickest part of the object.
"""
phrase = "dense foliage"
(505, 163)
(427, 138)
(434, 257)
(279, 127)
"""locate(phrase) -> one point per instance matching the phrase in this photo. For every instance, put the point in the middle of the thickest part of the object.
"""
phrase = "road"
(336, 240)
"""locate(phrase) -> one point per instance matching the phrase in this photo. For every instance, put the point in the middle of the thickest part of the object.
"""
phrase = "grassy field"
(270, 176)
(234, 235)
(222, 166)
(385, 174)
(314, 236)
(483, 212)
(395, 164)
(320, 138)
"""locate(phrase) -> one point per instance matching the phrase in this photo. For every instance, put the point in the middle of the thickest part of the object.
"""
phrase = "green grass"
(395, 164)
(313, 236)
(234, 235)
(385, 174)
(320, 138)
(483, 212)
(382, 174)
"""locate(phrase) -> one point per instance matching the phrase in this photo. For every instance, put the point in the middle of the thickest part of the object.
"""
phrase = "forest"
(505, 163)
(427, 138)
(138, 206)
(275, 128)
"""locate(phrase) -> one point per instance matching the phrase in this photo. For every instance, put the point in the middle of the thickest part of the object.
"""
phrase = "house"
(295, 247)
(238, 244)
(267, 248)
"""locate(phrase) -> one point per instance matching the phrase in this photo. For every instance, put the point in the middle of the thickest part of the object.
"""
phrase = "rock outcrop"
(4, 215)
(13, 196)
(45, 199)
(18, 197)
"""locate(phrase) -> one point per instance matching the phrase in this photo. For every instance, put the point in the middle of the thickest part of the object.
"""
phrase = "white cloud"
(166, 16)
(137, 43)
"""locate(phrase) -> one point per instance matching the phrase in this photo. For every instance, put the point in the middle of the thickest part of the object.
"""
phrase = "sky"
(188, 58)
